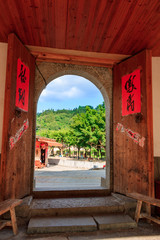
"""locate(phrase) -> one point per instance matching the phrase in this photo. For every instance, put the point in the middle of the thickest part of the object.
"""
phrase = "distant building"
(42, 148)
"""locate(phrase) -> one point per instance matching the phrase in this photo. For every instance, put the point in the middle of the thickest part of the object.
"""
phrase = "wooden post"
(148, 210)
(138, 210)
(14, 221)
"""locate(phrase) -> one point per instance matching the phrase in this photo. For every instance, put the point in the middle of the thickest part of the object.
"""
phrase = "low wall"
(75, 163)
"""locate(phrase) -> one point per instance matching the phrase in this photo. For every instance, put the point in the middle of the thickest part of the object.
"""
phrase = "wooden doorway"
(133, 140)
(15, 168)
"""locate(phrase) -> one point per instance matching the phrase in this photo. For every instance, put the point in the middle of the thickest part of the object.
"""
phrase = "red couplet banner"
(131, 93)
(22, 88)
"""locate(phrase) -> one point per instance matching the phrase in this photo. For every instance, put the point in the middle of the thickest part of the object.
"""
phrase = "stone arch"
(101, 77)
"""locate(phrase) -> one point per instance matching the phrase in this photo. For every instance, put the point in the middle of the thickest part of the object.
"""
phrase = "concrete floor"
(61, 177)
(144, 231)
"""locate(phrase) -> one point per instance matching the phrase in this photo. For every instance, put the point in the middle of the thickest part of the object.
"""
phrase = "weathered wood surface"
(9, 205)
(150, 218)
(86, 25)
(15, 168)
(133, 164)
(146, 199)
(75, 57)
(138, 210)
(5, 223)
(14, 220)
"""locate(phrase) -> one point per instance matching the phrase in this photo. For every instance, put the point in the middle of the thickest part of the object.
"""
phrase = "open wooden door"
(15, 178)
(132, 125)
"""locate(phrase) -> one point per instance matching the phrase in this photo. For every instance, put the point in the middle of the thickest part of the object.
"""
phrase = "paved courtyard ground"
(61, 177)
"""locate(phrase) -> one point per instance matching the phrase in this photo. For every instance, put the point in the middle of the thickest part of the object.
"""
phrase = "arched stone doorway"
(101, 77)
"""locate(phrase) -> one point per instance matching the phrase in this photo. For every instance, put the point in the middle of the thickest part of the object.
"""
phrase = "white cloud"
(73, 92)
(53, 92)
(69, 91)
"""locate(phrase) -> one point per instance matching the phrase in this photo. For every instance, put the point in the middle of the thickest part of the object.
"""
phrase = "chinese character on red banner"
(131, 93)
(22, 89)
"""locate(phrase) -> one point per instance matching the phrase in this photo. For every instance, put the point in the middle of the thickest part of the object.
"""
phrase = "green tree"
(82, 127)
(60, 136)
(88, 129)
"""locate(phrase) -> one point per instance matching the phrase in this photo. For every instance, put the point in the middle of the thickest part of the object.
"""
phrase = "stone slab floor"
(144, 231)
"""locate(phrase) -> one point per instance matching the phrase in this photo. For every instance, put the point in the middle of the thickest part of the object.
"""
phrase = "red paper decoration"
(131, 93)
(22, 89)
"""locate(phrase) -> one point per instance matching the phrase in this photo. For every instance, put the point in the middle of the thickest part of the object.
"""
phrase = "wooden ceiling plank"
(155, 30)
(101, 23)
(42, 22)
(51, 27)
(133, 14)
(155, 45)
(3, 32)
(81, 22)
(18, 23)
(108, 33)
(32, 12)
(49, 16)
(137, 37)
(91, 23)
(5, 22)
(127, 9)
(60, 23)
(155, 49)
(71, 23)
(109, 28)
(22, 10)
(87, 13)
(30, 21)
(145, 29)
(34, 20)
(129, 28)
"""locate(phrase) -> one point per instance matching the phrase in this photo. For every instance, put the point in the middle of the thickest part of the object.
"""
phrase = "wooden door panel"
(17, 126)
(133, 161)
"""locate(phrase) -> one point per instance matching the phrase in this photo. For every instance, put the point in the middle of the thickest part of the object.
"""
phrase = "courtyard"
(62, 177)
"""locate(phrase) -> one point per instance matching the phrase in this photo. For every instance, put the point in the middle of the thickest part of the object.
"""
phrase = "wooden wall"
(15, 169)
(3, 62)
(133, 163)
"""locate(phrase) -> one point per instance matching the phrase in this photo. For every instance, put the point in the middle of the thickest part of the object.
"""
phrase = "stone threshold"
(40, 193)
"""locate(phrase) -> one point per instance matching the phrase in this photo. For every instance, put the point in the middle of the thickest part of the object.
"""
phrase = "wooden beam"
(150, 218)
(75, 57)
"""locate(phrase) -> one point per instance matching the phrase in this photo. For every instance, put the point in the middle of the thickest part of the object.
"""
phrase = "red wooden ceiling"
(106, 26)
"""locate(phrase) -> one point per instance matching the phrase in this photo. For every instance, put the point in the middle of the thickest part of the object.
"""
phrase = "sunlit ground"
(60, 177)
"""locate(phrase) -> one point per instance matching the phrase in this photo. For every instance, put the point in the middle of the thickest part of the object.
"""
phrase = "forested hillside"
(56, 120)
(82, 127)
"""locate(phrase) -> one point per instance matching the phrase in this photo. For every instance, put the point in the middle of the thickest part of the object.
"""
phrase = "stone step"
(76, 206)
(61, 224)
(79, 223)
(114, 221)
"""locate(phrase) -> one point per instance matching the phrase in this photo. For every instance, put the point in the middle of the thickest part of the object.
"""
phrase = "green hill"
(56, 120)
(82, 127)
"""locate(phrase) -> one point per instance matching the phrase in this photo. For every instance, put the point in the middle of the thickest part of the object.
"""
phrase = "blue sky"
(69, 91)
